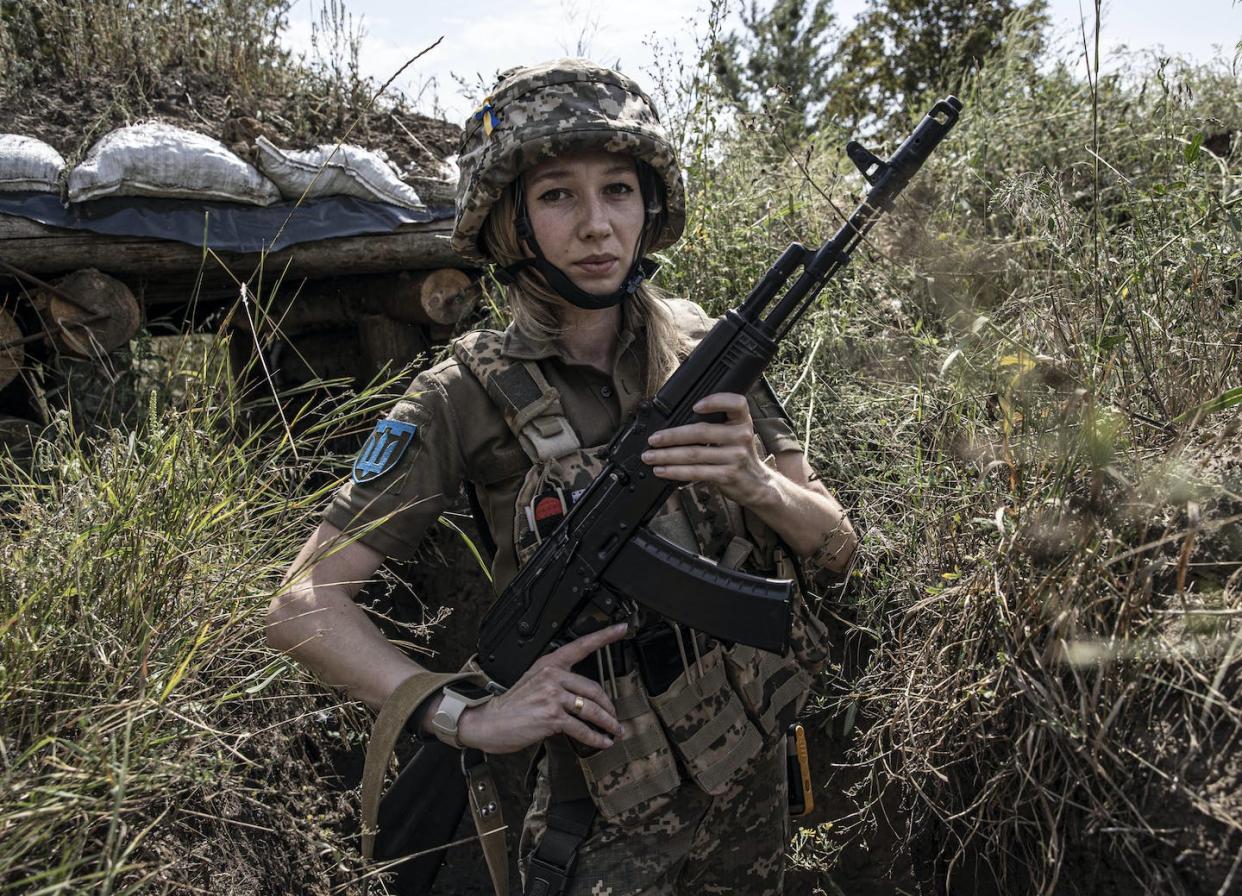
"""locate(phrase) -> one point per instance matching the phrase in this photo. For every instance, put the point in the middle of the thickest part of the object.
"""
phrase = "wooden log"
(442, 296)
(40, 249)
(389, 343)
(12, 350)
(90, 314)
(438, 298)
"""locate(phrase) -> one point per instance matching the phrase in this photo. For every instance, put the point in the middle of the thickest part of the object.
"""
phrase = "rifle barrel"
(887, 180)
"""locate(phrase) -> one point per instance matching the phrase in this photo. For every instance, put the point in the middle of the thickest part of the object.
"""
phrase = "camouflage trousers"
(732, 843)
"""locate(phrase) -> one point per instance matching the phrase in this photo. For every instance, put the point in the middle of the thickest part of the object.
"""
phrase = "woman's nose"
(595, 222)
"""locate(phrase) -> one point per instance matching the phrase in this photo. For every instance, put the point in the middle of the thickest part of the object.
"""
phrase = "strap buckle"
(544, 878)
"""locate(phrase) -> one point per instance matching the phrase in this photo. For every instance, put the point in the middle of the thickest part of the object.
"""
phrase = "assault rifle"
(601, 556)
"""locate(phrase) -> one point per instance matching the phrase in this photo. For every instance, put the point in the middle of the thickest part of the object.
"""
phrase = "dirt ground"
(73, 116)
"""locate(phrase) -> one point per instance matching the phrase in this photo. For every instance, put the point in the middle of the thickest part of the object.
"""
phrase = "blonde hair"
(534, 305)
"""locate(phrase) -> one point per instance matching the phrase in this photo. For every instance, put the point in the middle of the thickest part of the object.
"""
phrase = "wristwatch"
(457, 699)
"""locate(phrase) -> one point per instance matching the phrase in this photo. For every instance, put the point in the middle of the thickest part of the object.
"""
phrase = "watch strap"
(456, 700)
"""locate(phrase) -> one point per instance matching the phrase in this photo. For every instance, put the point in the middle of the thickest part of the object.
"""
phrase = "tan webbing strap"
(488, 819)
(710, 731)
(785, 566)
(389, 725)
(530, 405)
(787, 692)
(635, 792)
(737, 552)
(549, 437)
(629, 749)
(690, 693)
(630, 705)
(719, 772)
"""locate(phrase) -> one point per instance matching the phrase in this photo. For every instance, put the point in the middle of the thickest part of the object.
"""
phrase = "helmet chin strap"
(558, 281)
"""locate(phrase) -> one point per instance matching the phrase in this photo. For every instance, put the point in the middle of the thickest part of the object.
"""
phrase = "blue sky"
(484, 36)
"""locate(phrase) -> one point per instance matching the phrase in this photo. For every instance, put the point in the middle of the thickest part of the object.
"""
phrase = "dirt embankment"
(72, 115)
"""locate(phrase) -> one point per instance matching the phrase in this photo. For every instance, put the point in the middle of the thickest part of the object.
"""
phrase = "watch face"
(469, 692)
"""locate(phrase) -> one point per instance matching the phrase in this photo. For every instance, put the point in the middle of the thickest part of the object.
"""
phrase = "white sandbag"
(157, 159)
(332, 170)
(29, 164)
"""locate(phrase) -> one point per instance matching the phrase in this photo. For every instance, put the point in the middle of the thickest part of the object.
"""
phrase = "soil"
(72, 116)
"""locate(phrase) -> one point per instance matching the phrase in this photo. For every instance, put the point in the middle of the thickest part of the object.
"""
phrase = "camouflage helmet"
(539, 112)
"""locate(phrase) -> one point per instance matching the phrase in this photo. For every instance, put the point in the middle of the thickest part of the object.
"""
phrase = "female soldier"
(567, 182)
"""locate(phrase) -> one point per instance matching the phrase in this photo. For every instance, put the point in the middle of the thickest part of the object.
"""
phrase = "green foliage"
(72, 70)
(143, 40)
(901, 51)
(140, 711)
(791, 65)
(781, 63)
(1025, 389)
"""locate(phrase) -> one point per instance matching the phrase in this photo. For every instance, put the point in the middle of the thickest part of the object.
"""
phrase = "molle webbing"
(530, 405)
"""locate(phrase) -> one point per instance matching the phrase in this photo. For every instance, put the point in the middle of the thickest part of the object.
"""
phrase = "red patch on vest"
(547, 507)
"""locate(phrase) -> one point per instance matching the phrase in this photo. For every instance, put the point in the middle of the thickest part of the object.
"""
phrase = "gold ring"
(578, 704)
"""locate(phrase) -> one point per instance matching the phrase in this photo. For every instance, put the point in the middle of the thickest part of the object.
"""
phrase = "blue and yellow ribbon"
(486, 113)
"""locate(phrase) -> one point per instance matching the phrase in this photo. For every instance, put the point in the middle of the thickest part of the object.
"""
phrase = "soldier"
(663, 763)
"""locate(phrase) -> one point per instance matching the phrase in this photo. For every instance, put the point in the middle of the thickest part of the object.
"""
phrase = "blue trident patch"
(383, 449)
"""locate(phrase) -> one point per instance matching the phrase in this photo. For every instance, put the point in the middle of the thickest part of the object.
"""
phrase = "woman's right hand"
(543, 703)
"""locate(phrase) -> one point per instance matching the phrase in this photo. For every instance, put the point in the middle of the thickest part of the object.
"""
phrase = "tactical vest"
(730, 700)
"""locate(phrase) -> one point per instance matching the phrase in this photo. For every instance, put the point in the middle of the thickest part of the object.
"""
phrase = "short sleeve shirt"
(460, 435)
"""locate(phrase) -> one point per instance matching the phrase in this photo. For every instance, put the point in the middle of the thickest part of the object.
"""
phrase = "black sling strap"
(570, 815)
(480, 521)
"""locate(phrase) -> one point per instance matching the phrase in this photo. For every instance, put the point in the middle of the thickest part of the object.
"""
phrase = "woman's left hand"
(720, 453)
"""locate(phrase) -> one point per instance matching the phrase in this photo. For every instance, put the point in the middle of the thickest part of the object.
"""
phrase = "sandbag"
(29, 165)
(158, 159)
(332, 170)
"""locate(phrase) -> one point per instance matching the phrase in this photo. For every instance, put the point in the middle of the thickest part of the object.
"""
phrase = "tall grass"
(144, 41)
(151, 742)
(72, 70)
(1027, 389)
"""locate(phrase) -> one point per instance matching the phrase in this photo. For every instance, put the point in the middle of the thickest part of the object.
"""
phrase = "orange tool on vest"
(798, 772)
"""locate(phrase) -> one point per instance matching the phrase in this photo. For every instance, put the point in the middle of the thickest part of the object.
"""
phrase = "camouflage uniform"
(680, 835)
(732, 843)
(462, 436)
(692, 797)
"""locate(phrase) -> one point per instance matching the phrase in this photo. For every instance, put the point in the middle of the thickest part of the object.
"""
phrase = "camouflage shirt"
(462, 436)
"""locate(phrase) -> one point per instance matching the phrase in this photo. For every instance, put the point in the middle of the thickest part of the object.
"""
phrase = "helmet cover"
(543, 111)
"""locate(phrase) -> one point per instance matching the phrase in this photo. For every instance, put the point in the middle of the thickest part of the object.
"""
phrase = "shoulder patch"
(689, 318)
(383, 449)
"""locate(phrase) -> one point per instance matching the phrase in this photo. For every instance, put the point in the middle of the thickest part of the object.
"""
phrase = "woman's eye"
(620, 188)
(553, 195)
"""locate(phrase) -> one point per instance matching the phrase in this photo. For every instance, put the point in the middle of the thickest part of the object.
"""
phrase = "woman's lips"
(597, 265)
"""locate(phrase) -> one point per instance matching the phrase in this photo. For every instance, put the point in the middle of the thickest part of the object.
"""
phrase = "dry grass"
(1026, 390)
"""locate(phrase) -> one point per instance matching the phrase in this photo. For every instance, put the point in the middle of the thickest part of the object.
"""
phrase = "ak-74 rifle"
(601, 556)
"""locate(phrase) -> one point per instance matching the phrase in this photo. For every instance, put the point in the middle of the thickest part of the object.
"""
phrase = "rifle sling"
(488, 818)
(570, 815)
(484, 800)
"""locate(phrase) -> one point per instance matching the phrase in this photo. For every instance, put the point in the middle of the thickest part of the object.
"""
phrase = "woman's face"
(587, 214)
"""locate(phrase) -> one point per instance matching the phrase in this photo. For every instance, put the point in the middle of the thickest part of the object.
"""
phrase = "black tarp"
(222, 226)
